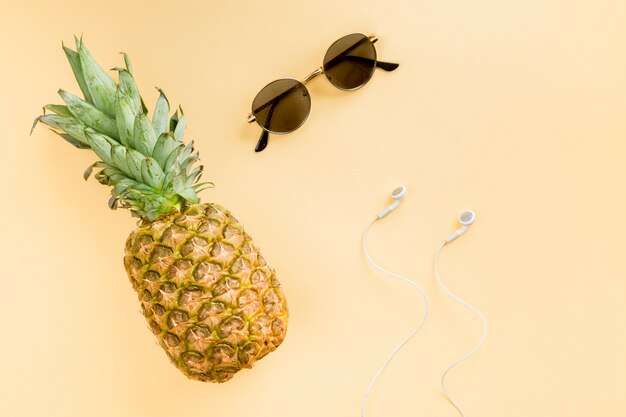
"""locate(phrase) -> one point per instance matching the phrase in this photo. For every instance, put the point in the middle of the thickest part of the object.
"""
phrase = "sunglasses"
(283, 105)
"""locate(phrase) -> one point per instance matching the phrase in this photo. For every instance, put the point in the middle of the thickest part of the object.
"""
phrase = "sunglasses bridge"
(320, 70)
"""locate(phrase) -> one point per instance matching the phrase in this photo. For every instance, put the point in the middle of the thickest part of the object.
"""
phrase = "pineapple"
(208, 295)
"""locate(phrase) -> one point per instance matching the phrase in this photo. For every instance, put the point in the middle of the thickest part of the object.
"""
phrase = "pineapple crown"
(151, 171)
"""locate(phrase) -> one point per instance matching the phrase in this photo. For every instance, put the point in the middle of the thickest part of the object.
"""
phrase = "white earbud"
(398, 195)
(467, 218)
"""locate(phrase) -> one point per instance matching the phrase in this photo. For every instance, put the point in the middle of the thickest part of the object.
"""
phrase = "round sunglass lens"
(282, 106)
(349, 63)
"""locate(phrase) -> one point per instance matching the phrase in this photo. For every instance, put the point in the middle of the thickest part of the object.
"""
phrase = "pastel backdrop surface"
(513, 108)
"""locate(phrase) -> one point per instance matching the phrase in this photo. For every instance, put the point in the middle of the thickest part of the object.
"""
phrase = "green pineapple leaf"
(90, 168)
(125, 115)
(100, 145)
(74, 60)
(181, 126)
(189, 194)
(133, 160)
(118, 155)
(172, 160)
(90, 115)
(129, 66)
(58, 109)
(174, 121)
(128, 87)
(201, 186)
(70, 139)
(164, 147)
(194, 176)
(144, 137)
(69, 125)
(151, 173)
(161, 114)
(101, 86)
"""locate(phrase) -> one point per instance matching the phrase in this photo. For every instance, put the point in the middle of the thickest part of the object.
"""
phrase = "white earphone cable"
(406, 339)
(475, 349)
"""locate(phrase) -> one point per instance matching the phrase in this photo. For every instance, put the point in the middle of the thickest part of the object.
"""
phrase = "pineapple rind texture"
(208, 295)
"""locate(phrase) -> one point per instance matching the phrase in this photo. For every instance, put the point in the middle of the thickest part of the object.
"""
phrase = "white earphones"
(398, 195)
(467, 218)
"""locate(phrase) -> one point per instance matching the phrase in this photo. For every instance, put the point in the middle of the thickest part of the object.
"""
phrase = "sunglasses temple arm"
(387, 66)
(262, 143)
(265, 135)
(276, 99)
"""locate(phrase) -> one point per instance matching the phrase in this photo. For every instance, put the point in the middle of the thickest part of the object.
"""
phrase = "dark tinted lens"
(282, 106)
(349, 62)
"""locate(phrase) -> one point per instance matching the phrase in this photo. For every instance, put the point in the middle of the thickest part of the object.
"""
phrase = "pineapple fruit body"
(208, 295)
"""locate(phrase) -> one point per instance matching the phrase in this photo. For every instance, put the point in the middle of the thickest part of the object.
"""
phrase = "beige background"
(513, 108)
